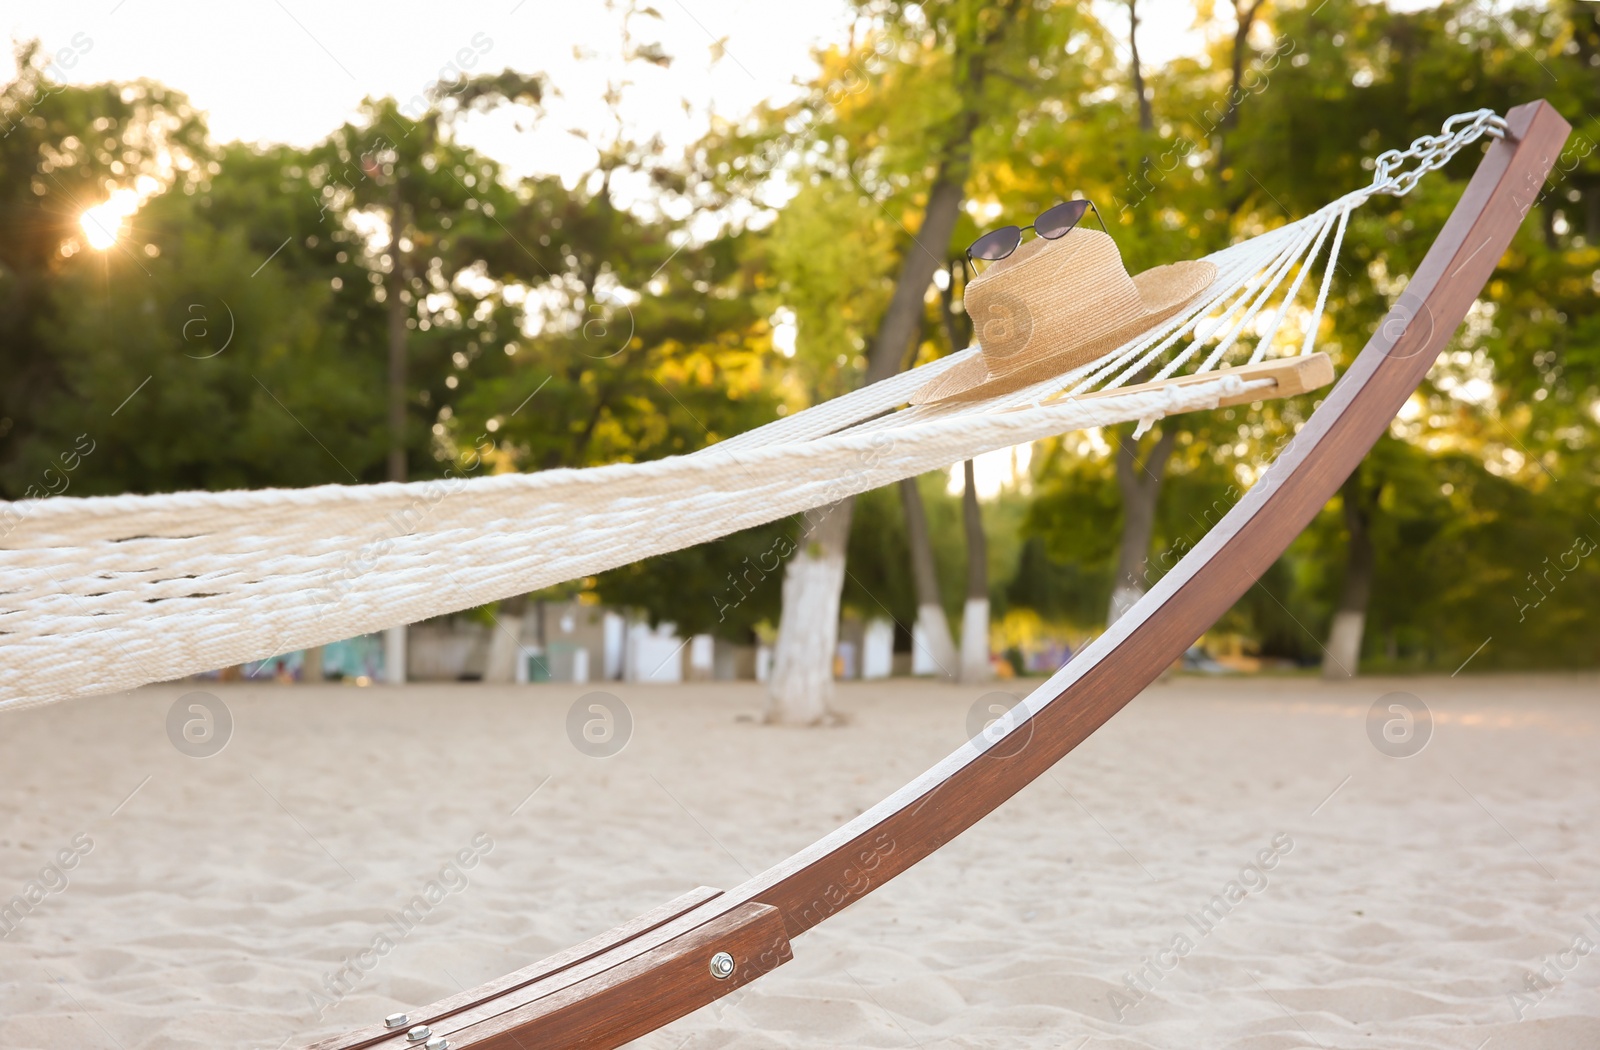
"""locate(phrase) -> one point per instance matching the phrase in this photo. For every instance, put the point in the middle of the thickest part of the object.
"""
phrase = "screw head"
(395, 1021)
(722, 966)
(438, 1042)
(419, 1033)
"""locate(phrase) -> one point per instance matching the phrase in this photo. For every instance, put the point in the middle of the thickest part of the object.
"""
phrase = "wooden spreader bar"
(1290, 376)
(663, 965)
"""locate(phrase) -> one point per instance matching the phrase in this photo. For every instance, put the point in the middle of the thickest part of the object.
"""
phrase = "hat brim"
(1163, 290)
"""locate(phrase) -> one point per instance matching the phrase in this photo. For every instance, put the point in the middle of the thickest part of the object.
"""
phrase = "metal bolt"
(722, 966)
(438, 1042)
(395, 1021)
(419, 1033)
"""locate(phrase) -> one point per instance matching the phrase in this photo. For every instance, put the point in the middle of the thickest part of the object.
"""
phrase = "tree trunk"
(1245, 18)
(903, 320)
(394, 655)
(801, 682)
(808, 629)
(958, 334)
(396, 309)
(1343, 656)
(394, 639)
(933, 624)
(925, 578)
(311, 665)
(1146, 118)
(505, 640)
(1140, 483)
(975, 616)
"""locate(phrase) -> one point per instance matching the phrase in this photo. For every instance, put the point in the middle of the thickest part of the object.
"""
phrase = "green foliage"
(61, 148)
(724, 588)
(1490, 473)
(879, 583)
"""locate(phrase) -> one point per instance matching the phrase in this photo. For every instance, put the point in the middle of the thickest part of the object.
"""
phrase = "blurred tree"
(193, 362)
(638, 338)
(63, 151)
(1517, 388)
(1242, 146)
(446, 252)
(889, 131)
(975, 612)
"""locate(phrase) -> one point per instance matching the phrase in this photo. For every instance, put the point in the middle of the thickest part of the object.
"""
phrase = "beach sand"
(1406, 901)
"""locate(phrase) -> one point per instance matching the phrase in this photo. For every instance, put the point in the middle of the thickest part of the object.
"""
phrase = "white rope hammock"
(106, 593)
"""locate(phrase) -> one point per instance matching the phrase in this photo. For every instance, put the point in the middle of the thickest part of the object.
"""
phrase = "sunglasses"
(1052, 223)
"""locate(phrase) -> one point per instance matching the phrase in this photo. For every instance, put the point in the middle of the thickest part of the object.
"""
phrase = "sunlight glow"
(102, 223)
(994, 472)
(785, 330)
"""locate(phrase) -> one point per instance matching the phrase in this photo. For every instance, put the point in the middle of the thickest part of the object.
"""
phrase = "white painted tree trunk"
(1122, 599)
(939, 647)
(940, 642)
(1344, 644)
(1342, 656)
(975, 641)
(500, 666)
(311, 665)
(505, 641)
(394, 656)
(975, 665)
(801, 682)
(1140, 484)
(802, 672)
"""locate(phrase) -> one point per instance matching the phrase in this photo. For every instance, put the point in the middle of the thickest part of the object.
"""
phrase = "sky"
(292, 70)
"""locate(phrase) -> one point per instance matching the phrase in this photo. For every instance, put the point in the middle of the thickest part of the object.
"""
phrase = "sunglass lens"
(996, 244)
(1058, 220)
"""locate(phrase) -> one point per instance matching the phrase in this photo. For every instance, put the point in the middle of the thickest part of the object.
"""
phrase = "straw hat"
(1054, 305)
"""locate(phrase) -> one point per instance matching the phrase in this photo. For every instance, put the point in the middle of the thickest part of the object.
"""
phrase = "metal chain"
(1433, 151)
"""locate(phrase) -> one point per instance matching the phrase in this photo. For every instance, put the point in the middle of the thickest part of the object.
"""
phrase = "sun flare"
(102, 223)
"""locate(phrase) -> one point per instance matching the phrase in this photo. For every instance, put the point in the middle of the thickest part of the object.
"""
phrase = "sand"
(1407, 899)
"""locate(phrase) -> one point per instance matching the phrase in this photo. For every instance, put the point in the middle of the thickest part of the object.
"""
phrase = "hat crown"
(1048, 292)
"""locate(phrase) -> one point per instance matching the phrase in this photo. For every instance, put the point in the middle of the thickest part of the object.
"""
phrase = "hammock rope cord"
(101, 594)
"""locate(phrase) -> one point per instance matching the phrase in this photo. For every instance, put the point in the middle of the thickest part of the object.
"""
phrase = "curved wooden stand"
(658, 968)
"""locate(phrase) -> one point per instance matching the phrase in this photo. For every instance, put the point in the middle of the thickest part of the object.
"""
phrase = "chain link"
(1433, 151)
